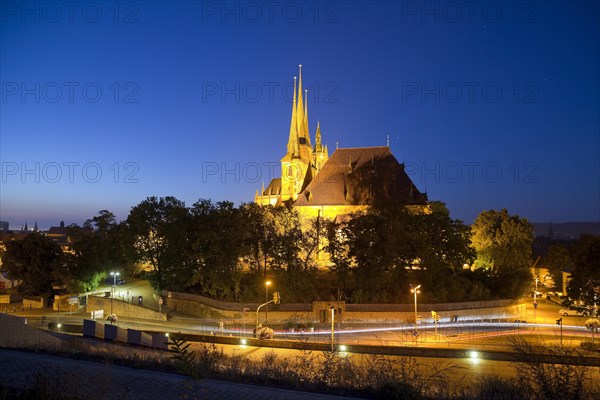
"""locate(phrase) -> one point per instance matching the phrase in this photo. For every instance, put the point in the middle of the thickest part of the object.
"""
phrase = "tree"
(558, 259)
(503, 244)
(32, 261)
(214, 236)
(272, 237)
(374, 249)
(97, 249)
(446, 242)
(585, 278)
(502, 241)
(157, 233)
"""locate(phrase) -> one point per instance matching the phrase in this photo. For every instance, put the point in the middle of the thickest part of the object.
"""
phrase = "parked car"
(574, 311)
(111, 281)
(592, 324)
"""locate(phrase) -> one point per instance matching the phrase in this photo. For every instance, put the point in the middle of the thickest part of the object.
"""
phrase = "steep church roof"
(361, 176)
(274, 188)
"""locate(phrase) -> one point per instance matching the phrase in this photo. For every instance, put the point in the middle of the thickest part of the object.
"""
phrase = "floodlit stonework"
(335, 187)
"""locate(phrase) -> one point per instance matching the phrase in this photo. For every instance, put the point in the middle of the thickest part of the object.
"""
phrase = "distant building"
(6, 282)
(4, 226)
(60, 235)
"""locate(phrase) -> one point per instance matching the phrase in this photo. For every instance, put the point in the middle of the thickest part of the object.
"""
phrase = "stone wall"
(122, 308)
(9, 298)
(319, 311)
(37, 302)
(61, 303)
(477, 314)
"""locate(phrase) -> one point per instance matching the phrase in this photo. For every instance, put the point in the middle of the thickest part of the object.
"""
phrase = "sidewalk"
(88, 380)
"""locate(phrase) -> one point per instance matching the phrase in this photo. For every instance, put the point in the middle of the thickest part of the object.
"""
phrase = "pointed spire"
(262, 191)
(293, 125)
(305, 129)
(300, 105)
(318, 136)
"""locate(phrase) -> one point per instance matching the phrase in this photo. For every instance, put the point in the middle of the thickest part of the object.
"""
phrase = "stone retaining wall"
(122, 308)
(204, 308)
(39, 302)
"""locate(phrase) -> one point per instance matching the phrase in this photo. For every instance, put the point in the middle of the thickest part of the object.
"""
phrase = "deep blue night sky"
(490, 105)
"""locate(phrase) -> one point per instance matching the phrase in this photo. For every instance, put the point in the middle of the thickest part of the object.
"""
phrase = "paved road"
(88, 380)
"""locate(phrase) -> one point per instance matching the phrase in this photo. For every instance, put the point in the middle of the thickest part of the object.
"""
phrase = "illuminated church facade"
(349, 181)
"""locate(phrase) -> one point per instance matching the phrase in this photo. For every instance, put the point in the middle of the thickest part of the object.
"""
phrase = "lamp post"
(114, 275)
(267, 284)
(415, 290)
(559, 322)
(535, 304)
(332, 326)
(244, 320)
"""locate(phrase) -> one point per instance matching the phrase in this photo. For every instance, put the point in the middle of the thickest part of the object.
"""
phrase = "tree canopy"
(32, 261)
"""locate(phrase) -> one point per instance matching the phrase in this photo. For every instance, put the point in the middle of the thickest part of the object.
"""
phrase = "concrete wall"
(319, 311)
(15, 333)
(122, 308)
(39, 302)
(61, 303)
(9, 298)
(445, 316)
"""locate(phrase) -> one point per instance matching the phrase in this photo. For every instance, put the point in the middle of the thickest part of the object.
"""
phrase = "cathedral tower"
(297, 164)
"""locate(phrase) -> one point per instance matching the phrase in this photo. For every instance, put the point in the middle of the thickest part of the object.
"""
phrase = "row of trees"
(582, 259)
(209, 247)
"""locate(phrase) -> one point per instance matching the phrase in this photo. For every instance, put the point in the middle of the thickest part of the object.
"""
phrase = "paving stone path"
(90, 381)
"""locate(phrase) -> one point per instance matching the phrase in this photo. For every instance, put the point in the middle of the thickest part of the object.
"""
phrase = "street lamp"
(267, 284)
(114, 275)
(332, 326)
(415, 290)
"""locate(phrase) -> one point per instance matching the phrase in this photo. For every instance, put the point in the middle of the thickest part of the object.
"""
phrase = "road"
(494, 332)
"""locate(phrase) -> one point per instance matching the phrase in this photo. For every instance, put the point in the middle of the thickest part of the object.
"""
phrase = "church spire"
(293, 125)
(318, 137)
(300, 109)
(305, 130)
